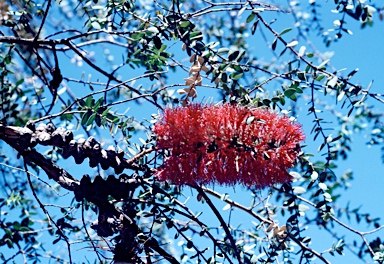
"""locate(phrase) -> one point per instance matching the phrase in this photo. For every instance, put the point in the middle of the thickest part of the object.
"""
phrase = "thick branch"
(18, 139)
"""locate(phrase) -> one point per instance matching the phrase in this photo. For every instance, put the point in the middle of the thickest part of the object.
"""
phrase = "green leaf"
(88, 101)
(19, 82)
(320, 204)
(289, 92)
(9, 242)
(254, 26)
(98, 120)
(250, 18)
(233, 55)
(196, 35)
(293, 97)
(321, 147)
(266, 102)
(56, 240)
(350, 111)
(281, 53)
(184, 24)
(24, 229)
(274, 43)
(236, 75)
(224, 77)
(310, 55)
(237, 68)
(106, 111)
(299, 90)
(352, 73)
(189, 244)
(301, 76)
(320, 77)
(16, 225)
(91, 119)
(163, 47)
(241, 55)
(157, 42)
(275, 99)
(85, 117)
(285, 31)
(98, 103)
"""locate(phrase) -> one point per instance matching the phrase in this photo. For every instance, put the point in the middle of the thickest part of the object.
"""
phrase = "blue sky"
(361, 50)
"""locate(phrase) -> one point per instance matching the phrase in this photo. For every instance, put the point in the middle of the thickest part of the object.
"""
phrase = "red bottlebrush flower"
(226, 144)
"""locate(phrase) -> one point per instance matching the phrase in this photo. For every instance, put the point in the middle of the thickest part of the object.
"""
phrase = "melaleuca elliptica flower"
(226, 144)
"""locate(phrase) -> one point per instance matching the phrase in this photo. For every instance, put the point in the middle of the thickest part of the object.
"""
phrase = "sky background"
(363, 50)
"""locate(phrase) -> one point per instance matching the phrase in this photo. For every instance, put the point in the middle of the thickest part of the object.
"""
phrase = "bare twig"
(221, 220)
(47, 213)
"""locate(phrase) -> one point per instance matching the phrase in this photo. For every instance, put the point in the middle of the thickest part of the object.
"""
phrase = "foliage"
(86, 80)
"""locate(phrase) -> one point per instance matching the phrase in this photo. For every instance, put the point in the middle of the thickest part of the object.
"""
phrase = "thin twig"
(362, 234)
(221, 220)
(43, 20)
(304, 247)
(240, 206)
(86, 231)
(46, 211)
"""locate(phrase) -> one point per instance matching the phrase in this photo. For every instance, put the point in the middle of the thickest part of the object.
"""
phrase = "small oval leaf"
(292, 44)
(299, 190)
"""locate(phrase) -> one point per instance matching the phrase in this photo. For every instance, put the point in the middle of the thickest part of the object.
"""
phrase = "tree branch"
(222, 222)
(18, 139)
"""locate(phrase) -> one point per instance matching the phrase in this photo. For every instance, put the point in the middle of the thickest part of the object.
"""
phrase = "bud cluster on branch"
(226, 144)
(98, 192)
(195, 79)
(48, 135)
(100, 189)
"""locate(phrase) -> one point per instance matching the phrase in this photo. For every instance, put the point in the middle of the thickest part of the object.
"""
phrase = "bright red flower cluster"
(226, 144)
